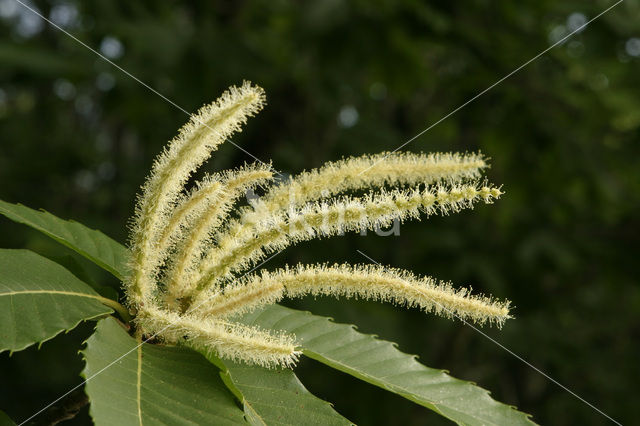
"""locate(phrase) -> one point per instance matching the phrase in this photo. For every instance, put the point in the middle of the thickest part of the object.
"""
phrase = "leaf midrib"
(104, 300)
(68, 293)
(139, 382)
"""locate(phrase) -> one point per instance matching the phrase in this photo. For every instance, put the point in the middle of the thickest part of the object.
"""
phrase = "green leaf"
(380, 363)
(92, 244)
(39, 299)
(337, 345)
(70, 263)
(130, 383)
(275, 396)
(5, 420)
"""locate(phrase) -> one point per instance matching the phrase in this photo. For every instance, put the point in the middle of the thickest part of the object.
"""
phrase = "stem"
(124, 314)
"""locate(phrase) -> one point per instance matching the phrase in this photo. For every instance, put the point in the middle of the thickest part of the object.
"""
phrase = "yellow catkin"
(368, 282)
(235, 184)
(229, 340)
(356, 173)
(367, 171)
(188, 248)
(203, 195)
(196, 140)
(334, 217)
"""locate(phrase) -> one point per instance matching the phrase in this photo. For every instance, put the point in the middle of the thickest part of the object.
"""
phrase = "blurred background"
(347, 78)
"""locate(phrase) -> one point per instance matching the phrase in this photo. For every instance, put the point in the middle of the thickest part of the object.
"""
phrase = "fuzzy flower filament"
(229, 340)
(196, 140)
(234, 184)
(368, 282)
(331, 218)
(190, 248)
(369, 171)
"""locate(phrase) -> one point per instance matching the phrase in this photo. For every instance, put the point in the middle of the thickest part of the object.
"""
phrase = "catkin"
(368, 282)
(189, 248)
(206, 129)
(331, 218)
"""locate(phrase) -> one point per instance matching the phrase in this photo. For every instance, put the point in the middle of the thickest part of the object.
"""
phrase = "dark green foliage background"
(563, 137)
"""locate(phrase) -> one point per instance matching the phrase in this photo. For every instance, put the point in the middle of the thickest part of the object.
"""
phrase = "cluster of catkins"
(190, 250)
